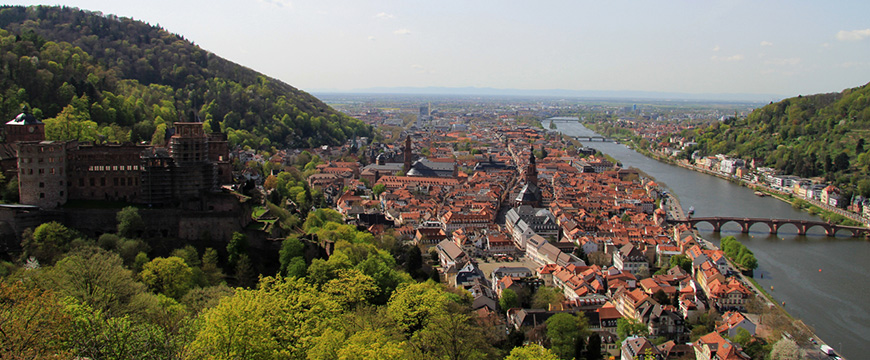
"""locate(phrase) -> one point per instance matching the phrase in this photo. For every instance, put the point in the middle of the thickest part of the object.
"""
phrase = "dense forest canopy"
(818, 135)
(95, 76)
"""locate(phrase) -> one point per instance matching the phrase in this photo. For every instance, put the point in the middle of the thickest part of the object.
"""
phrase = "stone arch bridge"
(775, 224)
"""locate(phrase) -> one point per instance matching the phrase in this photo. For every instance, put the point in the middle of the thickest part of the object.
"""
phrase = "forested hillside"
(91, 75)
(816, 135)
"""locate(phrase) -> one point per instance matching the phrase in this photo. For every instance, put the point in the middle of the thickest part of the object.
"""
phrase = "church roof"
(530, 193)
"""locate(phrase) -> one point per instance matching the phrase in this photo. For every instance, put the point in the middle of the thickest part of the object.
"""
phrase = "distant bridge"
(775, 224)
(593, 138)
(564, 120)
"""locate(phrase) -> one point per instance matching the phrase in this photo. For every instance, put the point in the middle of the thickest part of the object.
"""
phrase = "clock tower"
(25, 127)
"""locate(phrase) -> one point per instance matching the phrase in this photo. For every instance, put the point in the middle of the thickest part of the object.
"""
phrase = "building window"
(81, 182)
(51, 171)
(116, 181)
(61, 193)
(41, 195)
(92, 182)
(102, 181)
(41, 171)
(42, 184)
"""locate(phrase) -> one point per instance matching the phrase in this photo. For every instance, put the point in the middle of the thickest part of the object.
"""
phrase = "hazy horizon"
(720, 47)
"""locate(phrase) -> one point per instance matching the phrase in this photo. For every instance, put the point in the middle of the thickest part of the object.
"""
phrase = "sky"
(773, 47)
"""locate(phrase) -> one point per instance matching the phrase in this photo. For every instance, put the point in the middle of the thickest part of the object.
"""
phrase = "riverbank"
(773, 320)
(829, 301)
(815, 208)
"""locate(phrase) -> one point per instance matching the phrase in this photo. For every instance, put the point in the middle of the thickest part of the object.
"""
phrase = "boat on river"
(691, 211)
(759, 193)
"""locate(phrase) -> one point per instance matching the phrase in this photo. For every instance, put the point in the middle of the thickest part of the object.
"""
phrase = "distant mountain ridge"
(126, 78)
(590, 94)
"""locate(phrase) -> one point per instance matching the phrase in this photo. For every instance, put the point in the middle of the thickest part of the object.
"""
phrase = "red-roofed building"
(714, 347)
(733, 321)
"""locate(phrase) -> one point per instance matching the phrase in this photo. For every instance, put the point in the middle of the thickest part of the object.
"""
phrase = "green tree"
(48, 242)
(864, 188)
(564, 330)
(317, 218)
(34, 323)
(414, 262)
(199, 299)
(661, 297)
(169, 276)
(140, 261)
(237, 247)
(531, 352)
(130, 224)
(378, 190)
(351, 288)
(281, 318)
(841, 162)
(412, 306)
(210, 268)
(454, 334)
(682, 261)
(108, 241)
(593, 348)
(96, 335)
(508, 300)
(95, 277)
(545, 296)
(291, 248)
(628, 327)
(245, 274)
(189, 254)
(743, 337)
(73, 123)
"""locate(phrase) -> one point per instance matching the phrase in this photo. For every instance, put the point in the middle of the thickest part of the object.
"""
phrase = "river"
(825, 281)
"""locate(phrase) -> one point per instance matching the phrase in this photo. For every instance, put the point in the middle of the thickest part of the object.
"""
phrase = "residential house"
(714, 347)
(450, 255)
(630, 258)
(634, 348)
(831, 196)
(733, 321)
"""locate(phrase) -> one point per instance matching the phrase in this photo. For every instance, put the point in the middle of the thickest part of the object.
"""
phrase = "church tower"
(532, 169)
(407, 153)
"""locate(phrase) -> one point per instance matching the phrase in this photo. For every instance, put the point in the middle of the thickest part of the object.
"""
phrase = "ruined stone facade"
(52, 172)
(42, 175)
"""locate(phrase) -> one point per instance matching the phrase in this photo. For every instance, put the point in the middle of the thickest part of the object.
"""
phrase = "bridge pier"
(802, 228)
(744, 226)
(774, 227)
